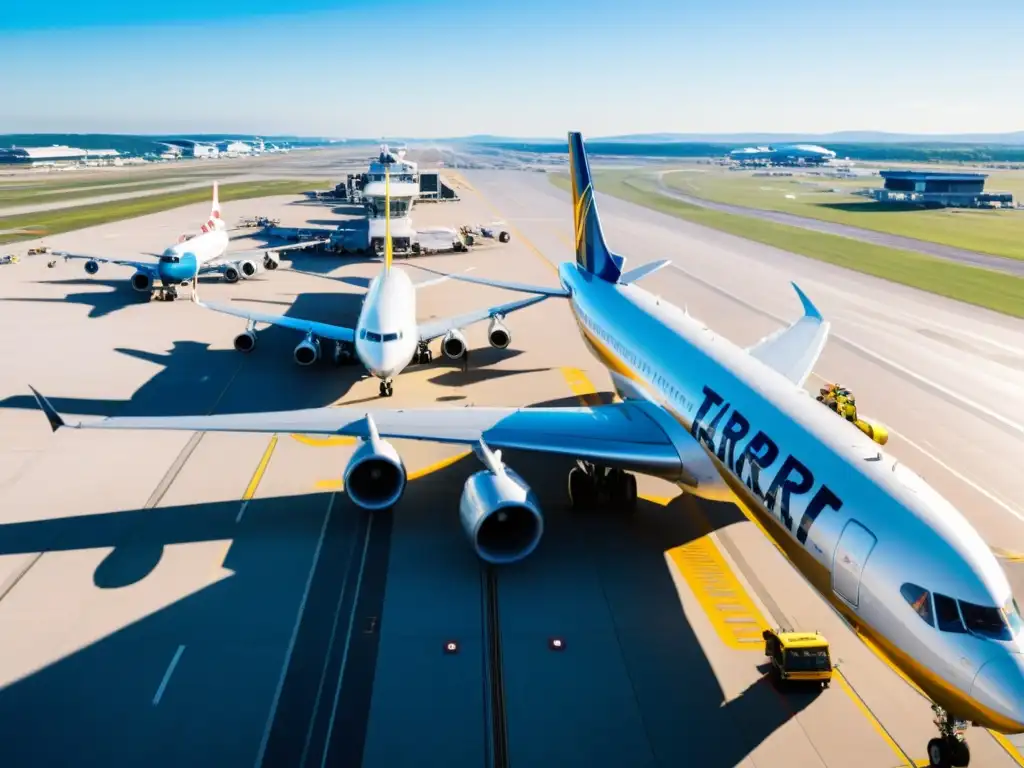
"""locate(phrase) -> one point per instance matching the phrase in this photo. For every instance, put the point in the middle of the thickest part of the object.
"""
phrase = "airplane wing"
(142, 266)
(539, 290)
(322, 330)
(618, 434)
(432, 329)
(793, 351)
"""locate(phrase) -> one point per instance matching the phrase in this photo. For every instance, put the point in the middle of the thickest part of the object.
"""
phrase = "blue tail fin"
(592, 252)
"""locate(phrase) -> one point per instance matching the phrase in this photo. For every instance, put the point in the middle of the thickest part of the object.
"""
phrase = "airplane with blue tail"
(191, 257)
(898, 563)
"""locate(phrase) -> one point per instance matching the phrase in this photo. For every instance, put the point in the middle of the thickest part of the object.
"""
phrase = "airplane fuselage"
(865, 531)
(386, 333)
(182, 261)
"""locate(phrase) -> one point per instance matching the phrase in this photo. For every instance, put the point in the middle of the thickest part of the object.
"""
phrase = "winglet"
(809, 309)
(56, 422)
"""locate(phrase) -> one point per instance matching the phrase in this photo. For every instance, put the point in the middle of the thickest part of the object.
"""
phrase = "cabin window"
(947, 614)
(987, 622)
(919, 600)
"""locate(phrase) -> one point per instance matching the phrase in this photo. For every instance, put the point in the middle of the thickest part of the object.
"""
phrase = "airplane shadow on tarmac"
(93, 706)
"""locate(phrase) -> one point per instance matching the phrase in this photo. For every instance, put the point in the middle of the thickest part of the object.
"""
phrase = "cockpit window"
(947, 614)
(371, 336)
(919, 600)
(170, 259)
(390, 337)
(989, 622)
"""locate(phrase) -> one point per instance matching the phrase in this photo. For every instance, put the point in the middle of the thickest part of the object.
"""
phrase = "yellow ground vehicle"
(843, 402)
(798, 657)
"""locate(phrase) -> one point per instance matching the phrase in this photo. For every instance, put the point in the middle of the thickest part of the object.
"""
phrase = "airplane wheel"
(582, 489)
(961, 754)
(938, 753)
(622, 491)
(503, 237)
(270, 264)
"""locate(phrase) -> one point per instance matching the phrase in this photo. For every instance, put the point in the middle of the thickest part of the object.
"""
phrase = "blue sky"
(455, 67)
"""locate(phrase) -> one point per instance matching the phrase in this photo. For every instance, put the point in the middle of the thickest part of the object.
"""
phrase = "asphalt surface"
(973, 258)
(215, 599)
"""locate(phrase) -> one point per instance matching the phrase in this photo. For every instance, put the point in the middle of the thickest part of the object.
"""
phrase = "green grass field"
(999, 232)
(21, 196)
(68, 219)
(984, 288)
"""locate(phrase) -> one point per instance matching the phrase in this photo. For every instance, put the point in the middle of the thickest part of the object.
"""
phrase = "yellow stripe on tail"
(387, 220)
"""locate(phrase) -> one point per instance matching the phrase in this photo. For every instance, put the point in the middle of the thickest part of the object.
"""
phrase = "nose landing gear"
(950, 750)
(385, 388)
(589, 484)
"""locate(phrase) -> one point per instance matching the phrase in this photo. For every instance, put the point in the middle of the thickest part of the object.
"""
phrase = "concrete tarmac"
(216, 598)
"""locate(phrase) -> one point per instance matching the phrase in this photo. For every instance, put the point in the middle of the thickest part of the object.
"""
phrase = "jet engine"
(247, 267)
(141, 282)
(92, 267)
(501, 516)
(231, 274)
(307, 352)
(375, 476)
(498, 335)
(454, 344)
(245, 341)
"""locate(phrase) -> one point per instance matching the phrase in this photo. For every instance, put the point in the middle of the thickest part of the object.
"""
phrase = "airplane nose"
(999, 686)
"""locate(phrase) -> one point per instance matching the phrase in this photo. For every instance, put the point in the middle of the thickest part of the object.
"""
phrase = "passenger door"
(848, 562)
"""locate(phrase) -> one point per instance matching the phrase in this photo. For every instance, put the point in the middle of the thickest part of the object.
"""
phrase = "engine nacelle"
(453, 344)
(375, 476)
(92, 267)
(307, 352)
(141, 282)
(247, 268)
(245, 341)
(498, 335)
(231, 274)
(501, 516)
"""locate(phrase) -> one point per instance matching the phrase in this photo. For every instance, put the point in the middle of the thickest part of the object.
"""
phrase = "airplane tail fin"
(592, 252)
(215, 221)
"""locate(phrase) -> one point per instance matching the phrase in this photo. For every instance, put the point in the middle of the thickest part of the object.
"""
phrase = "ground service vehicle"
(798, 657)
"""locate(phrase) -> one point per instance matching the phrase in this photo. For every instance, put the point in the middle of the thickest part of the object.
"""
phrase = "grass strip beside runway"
(60, 220)
(994, 290)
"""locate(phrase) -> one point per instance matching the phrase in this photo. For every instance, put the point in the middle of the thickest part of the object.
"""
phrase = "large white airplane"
(387, 336)
(192, 256)
(897, 561)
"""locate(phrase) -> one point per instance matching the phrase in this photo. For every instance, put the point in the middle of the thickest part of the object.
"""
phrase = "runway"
(172, 597)
(947, 252)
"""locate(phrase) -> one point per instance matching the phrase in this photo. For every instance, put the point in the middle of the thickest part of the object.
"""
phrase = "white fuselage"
(386, 335)
(206, 247)
(866, 532)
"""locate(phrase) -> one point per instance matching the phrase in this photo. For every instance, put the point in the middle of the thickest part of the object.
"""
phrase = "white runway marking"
(167, 675)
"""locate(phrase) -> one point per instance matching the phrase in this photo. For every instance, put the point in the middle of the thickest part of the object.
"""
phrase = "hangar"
(789, 154)
(938, 190)
(55, 155)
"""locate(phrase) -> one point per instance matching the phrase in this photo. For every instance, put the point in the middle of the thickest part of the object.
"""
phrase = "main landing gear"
(167, 293)
(590, 484)
(950, 749)
(385, 388)
(423, 355)
(344, 354)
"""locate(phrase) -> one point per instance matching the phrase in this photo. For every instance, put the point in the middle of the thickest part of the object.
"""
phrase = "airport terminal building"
(940, 190)
(789, 154)
(55, 155)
